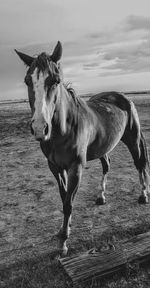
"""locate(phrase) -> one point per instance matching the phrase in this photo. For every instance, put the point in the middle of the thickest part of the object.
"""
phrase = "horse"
(72, 131)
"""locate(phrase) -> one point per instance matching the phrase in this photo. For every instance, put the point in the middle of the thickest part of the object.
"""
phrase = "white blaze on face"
(44, 104)
(38, 87)
(39, 121)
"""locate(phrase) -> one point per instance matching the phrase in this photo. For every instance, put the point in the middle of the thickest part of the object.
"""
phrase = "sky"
(106, 43)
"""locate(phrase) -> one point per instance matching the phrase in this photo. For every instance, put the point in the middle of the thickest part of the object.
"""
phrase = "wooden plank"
(97, 264)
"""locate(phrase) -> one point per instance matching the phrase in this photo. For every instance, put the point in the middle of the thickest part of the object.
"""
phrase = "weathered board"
(97, 264)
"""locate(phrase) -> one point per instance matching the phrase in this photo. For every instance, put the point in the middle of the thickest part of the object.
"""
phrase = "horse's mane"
(72, 93)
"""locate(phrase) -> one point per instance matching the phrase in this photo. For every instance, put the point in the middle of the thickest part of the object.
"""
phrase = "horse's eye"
(28, 80)
(56, 70)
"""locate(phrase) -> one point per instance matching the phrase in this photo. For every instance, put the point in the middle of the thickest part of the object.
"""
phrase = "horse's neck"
(70, 108)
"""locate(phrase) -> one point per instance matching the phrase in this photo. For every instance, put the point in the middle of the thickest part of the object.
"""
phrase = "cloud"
(104, 54)
(115, 52)
(137, 22)
(131, 56)
(107, 54)
(124, 49)
(91, 65)
(24, 22)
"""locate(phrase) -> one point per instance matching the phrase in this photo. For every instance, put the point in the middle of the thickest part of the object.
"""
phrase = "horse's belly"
(109, 133)
(99, 148)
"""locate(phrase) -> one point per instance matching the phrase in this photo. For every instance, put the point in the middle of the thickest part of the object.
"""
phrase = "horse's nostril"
(46, 129)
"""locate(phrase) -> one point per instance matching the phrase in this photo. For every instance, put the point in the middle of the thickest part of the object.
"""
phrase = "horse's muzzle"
(40, 133)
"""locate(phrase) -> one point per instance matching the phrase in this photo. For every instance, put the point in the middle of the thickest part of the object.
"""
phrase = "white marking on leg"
(68, 229)
(102, 187)
(144, 185)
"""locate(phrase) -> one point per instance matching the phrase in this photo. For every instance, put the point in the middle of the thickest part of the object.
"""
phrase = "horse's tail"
(133, 119)
(135, 141)
(138, 139)
(144, 151)
(144, 160)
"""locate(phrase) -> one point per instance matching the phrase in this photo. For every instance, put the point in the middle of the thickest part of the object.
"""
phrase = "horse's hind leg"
(143, 176)
(106, 166)
(139, 153)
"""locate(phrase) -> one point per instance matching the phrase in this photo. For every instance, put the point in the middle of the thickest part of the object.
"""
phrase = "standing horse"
(71, 131)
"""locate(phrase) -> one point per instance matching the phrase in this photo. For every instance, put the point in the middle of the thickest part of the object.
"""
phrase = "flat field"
(31, 209)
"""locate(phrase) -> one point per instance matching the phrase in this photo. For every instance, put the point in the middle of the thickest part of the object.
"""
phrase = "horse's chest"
(60, 157)
(60, 153)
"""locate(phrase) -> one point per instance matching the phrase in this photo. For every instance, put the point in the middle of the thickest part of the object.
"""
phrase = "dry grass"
(30, 209)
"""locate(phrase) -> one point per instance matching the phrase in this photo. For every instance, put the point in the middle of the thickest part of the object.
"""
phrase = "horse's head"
(42, 79)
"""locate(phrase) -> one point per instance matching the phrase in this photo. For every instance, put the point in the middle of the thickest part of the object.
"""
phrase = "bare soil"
(31, 209)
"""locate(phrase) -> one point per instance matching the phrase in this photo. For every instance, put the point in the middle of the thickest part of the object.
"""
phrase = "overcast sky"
(106, 43)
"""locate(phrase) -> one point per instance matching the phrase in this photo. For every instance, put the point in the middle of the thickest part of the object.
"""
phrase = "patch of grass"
(38, 273)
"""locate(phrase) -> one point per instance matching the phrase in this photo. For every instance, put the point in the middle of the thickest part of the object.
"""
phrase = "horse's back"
(122, 102)
(112, 97)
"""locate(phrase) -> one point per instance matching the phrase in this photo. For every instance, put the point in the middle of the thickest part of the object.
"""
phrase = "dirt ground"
(30, 205)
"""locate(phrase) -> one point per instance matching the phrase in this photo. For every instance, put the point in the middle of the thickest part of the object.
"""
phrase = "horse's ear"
(57, 53)
(25, 58)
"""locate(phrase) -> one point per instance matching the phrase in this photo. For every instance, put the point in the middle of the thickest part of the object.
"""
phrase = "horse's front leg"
(74, 177)
(62, 180)
(61, 177)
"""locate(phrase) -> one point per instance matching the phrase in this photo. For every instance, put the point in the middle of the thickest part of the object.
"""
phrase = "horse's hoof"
(59, 253)
(63, 249)
(143, 199)
(100, 201)
(64, 252)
